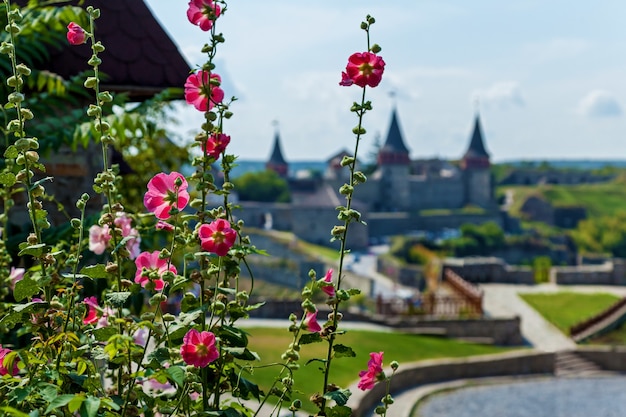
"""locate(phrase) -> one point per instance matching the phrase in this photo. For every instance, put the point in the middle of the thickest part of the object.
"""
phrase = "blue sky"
(549, 76)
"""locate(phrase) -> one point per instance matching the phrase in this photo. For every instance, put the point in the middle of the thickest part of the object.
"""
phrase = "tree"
(265, 186)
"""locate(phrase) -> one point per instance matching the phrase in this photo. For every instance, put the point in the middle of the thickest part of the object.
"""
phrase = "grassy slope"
(565, 309)
(599, 199)
(270, 343)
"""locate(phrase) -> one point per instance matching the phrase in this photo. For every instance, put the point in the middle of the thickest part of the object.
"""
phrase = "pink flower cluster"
(199, 348)
(374, 372)
(364, 68)
(150, 268)
(99, 236)
(217, 237)
(166, 191)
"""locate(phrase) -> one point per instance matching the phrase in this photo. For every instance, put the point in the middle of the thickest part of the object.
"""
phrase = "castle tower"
(394, 168)
(277, 162)
(477, 175)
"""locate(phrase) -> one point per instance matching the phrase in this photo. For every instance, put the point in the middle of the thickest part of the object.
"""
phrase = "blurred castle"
(401, 196)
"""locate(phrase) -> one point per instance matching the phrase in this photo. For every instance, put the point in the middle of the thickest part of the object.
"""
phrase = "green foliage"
(541, 269)
(477, 239)
(602, 235)
(266, 186)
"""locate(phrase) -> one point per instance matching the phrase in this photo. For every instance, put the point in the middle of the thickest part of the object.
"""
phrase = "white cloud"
(502, 95)
(599, 103)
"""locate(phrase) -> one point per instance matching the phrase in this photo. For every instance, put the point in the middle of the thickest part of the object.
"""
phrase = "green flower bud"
(388, 399)
(12, 28)
(312, 274)
(147, 316)
(380, 410)
(75, 223)
(105, 97)
(346, 189)
(84, 197)
(94, 110)
(346, 160)
(364, 25)
(26, 114)
(359, 177)
(16, 98)
(98, 47)
(394, 365)
(23, 69)
(90, 82)
(359, 130)
(169, 317)
(375, 48)
(338, 231)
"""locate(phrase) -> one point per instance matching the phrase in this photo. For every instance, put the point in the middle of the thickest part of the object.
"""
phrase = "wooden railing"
(578, 329)
(467, 290)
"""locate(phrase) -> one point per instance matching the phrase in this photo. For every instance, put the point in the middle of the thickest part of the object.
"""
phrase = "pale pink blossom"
(99, 238)
(204, 95)
(202, 13)
(217, 237)
(164, 192)
(15, 275)
(199, 348)
(124, 222)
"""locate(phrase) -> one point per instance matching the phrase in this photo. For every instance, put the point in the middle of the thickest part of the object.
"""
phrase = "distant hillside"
(583, 164)
(244, 166)
(604, 199)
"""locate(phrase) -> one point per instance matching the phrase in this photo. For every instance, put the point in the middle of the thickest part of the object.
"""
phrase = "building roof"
(395, 142)
(276, 158)
(476, 147)
(140, 57)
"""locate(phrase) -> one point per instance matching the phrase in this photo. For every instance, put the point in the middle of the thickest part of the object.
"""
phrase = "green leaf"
(160, 355)
(354, 291)
(244, 388)
(7, 179)
(10, 411)
(117, 299)
(234, 336)
(33, 250)
(177, 374)
(24, 288)
(338, 411)
(59, 402)
(104, 333)
(342, 351)
(242, 353)
(75, 403)
(95, 271)
(91, 406)
(339, 396)
(308, 338)
(11, 152)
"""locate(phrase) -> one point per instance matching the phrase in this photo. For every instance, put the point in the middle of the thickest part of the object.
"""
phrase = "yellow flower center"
(366, 68)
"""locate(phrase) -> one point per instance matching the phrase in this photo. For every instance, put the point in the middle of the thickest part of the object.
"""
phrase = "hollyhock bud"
(76, 35)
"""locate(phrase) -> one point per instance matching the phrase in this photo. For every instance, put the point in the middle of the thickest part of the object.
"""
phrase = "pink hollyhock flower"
(76, 35)
(161, 225)
(15, 275)
(202, 13)
(3, 369)
(217, 237)
(374, 372)
(99, 238)
(125, 224)
(329, 289)
(153, 387)
(201, 93)
(364, 68)
(164, 193)
(199, 349)
(140, 337)
(310, 322)
(148, 264)
(92, 314)
(216, 144)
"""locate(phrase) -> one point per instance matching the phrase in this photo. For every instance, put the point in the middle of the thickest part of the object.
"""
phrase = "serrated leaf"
(7, 179)
(176, 374)
(11, 152)
(33, 250)
(354, 291)
(340, 396)
(95, 271)
(24, 288)
(342, 351)
(309, 338)
(117, 299)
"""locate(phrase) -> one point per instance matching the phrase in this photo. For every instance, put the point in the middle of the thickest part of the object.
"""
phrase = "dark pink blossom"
(166, 191)
(374, 372)
(364, 68)
(217, 237)
(161, 225)
(151, 268)
(76, 35)
(310, 322)
(216, 144)
(198, 348)
(202, 13)
(3, 369)
(92, 313)
(198, 90)
(329, 288)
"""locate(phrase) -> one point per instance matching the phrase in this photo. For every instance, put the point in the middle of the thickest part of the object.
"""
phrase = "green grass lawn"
(271, 343)
(564, 309)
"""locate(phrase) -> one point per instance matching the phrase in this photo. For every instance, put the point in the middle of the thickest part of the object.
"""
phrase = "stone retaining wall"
(611, 358)
(441, 370)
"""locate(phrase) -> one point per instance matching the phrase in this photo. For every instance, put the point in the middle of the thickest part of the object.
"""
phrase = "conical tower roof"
(394, 151)
(476, 155)
(277, 153)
